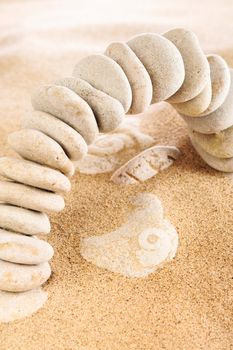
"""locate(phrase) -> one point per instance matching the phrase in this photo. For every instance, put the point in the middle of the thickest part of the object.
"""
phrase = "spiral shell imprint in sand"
(70, 117)
(144, 243)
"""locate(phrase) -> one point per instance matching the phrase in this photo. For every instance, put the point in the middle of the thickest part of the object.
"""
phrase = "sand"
(187, 304)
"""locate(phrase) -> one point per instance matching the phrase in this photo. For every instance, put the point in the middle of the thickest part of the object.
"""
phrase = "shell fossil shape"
(141, 245)
(145, 165)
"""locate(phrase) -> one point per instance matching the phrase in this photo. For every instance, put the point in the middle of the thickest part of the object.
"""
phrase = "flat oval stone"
(108, 111)
(33, 174)
(136, 74)
(162, 61)
(30, 197)
(23, 220)
(105, 75)
(15, 306)
(219, 145)
(217, 121)
(197, 71)
(67, 106)
(20, 278)
(220, 80)
(71, 141)
(220, 164)
(36, 146)
(196, 105)
(21, 249)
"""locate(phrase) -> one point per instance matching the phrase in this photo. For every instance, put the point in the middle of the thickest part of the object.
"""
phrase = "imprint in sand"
(140, 246)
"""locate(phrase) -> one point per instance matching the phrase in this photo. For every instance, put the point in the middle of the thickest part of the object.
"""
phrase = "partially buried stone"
(15, 306)
(145, 165)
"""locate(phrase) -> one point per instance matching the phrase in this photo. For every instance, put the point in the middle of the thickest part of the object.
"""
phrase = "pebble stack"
(69, 114)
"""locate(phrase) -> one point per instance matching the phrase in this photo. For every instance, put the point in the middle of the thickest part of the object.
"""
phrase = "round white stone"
(106, 75)
(162, 61)
(21, 249)
(20, 278)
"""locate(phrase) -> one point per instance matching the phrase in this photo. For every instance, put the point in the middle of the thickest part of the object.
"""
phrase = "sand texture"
(187, 305)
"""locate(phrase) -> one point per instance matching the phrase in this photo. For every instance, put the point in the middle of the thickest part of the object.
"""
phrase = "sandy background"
(188, 304)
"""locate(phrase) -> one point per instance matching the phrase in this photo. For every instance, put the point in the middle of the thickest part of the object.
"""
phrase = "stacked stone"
(69, 114)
